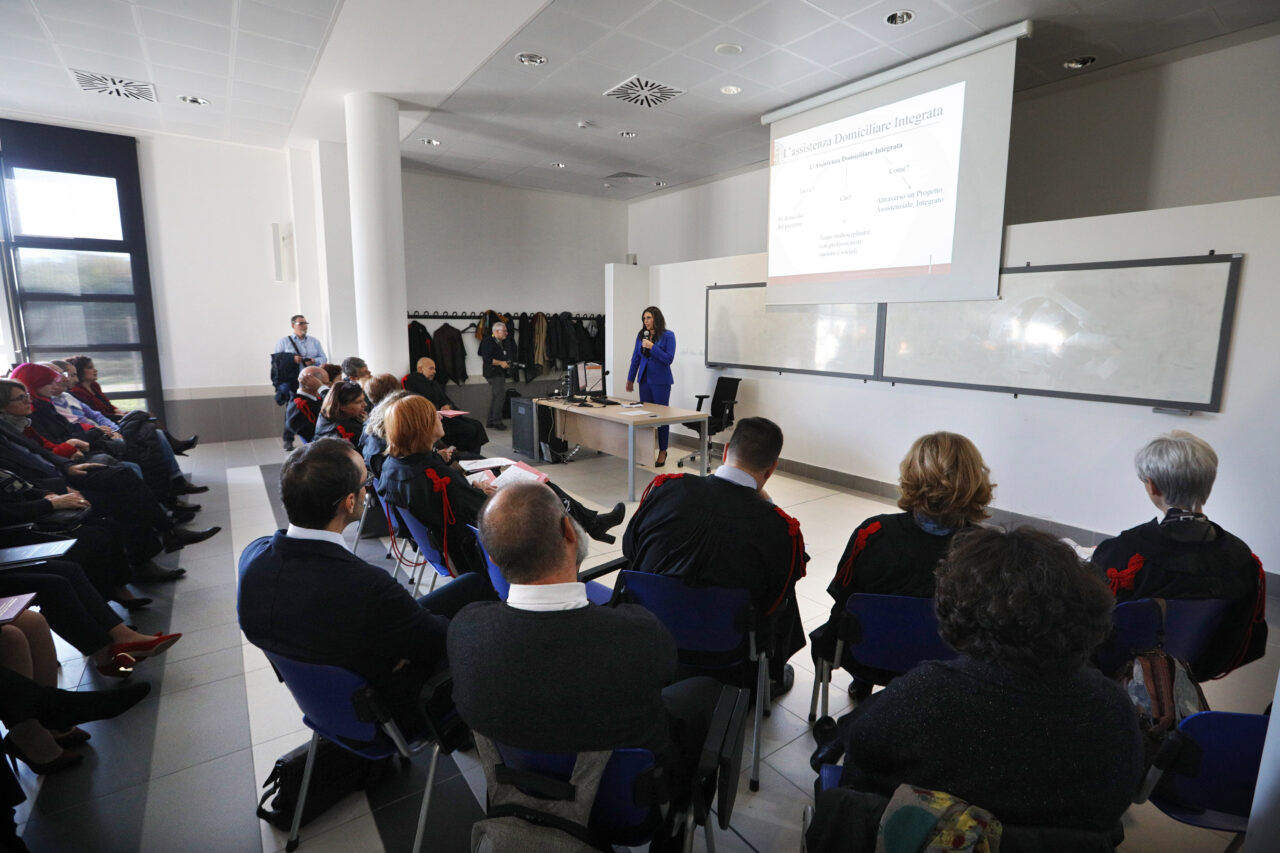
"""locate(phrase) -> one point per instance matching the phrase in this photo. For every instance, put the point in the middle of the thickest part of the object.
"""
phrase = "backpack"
(337, 772)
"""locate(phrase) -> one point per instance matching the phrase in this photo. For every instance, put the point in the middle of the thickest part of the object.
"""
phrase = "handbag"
(337, 772)
(61, 520)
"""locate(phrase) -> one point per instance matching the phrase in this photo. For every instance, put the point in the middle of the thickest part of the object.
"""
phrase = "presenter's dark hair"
(659, 322)
(315, 479)
(756, 443)
(1021, 600)
(521, 528)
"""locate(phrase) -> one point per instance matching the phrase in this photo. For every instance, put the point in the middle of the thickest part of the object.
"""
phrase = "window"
(74, 256)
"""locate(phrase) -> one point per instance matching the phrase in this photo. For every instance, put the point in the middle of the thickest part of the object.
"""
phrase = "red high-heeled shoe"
(118, 666)
(146, 648)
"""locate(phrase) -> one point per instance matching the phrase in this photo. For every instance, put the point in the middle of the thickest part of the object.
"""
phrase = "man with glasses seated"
(293, 352)
(305, 596)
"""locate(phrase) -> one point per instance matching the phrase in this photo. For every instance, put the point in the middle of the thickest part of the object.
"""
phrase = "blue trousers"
(660, 394)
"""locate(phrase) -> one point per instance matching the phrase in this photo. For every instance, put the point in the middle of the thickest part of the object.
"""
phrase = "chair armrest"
(700, 397)
(616, 564)
(18, 528)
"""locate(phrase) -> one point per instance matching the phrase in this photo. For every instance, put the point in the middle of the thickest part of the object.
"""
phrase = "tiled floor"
(182, 771)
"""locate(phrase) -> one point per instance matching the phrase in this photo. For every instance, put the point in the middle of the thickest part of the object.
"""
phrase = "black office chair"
(720, 418)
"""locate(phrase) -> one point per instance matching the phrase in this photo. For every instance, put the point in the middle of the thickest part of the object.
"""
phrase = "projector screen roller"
(895, 192)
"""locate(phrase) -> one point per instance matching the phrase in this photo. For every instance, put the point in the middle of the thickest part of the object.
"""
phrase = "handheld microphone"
(646, 353)
(646, 334)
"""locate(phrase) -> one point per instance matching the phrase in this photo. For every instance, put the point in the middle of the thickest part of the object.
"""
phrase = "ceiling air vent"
(646, 93)
(105, 84)
(626, 176)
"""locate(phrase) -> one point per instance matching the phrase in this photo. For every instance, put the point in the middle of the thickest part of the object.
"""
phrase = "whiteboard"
(1149, 333)
(741, 331)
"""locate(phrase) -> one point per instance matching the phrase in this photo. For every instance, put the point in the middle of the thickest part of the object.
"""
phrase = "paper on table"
(635, 413)
(479, 478)
(470, 465)
(450, 413)
(520, 473)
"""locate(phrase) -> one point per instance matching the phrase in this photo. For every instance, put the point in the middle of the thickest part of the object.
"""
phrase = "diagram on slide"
(872, 194)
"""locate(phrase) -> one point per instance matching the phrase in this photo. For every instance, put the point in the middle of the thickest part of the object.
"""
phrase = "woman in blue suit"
(651, 366)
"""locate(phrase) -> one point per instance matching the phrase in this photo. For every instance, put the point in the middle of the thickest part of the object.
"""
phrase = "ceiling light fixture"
(1076, 63)
(730, 90)
(196, 100)
(627, 134)
(586, 124)
(608, 185)
(531, 59)
(728, 48)
(659, 183)
(426, 140)
(900, 17)
(558, 165)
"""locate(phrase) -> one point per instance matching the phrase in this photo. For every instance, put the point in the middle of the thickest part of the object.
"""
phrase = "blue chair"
(424, 541)
(597, 593)
(1183, 628)
(341, 707)
(716, 633)
(1208, 770)
(888, 632)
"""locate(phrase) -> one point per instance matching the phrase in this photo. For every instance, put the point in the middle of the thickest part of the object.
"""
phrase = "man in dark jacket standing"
(498, 354)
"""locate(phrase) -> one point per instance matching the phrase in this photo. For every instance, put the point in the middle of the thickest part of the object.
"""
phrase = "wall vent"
(106, 84)
(646, 93)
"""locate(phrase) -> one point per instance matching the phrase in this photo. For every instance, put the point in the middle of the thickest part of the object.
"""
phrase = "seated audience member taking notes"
(1185, 555)
(1020, 724)
(944, 488)
(343, 412)
(547, 671)
(305, 596)
(723, 530)
(419, 479)
(304, 409)
(462, 432)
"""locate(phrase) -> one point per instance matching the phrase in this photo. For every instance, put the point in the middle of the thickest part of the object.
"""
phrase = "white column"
(377, 231)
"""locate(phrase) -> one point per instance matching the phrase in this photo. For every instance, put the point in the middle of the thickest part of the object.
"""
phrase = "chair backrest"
(326, 696)
(393, 518)
(1189, 626)
(500, 585)
(623, 810)
(726, 390)
(1230, 753)
(894, 632)
(702, 619)
(425, 541)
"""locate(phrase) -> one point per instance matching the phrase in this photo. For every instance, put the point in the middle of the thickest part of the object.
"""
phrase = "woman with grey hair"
(373, 442)
(1185, 555)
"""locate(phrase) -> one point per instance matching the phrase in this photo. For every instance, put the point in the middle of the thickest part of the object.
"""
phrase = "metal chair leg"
(426, 800)
(826, 687)
(435, 576)
(762, 697)
(817, 688)
(711, 836)
(292, 843)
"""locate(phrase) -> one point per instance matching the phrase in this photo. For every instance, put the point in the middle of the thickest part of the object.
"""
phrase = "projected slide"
(871, 195)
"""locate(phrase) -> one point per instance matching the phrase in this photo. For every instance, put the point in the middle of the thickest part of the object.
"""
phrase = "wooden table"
(611, 430)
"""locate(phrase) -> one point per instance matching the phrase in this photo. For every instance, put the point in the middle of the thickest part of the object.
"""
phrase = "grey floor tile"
(197, 725)
(206, 807)
(111, 824)
(203, 669)
(205, 641)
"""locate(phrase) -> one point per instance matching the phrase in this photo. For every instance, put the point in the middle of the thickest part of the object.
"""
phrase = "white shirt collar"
(548, 596)
(302, 393)
(738, 476)
(295, 532)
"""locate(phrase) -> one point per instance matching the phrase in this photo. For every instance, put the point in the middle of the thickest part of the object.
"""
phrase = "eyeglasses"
(302, 323)
(21, 398)
(368, 481)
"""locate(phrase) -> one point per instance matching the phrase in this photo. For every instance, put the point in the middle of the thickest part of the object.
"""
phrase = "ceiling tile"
(583, 77)
(185, 31)
(88, 37)
(774, 69)
(28, 50)
(265, 95)
(782, 21)
(677, 69)
(873, 61)
(101, 63)
(931, 40)
(278, 23)
(218, 12)
(705, 48)
(269, 51)
(555, 35)
(1166, 35)
(723, 11)
(611, 13)
(238, 110)
(832, 44)
(871, 20)
(624, 52)
(812, 85)
(670, 25)
(1240, 14)
(844, 8)
(18, 20)
(189, 58)
(172, 83)
(17, 73)
(314, 8)
(258, 126)
(1002, 13)
(99, 13)
(267, 75)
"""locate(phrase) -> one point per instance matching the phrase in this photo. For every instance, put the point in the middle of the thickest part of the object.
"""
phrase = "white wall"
(1066, 460)
(712, 220)
(626, 295)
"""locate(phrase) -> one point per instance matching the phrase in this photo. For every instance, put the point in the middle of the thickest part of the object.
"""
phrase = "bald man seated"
(304, 408)
(464, 433)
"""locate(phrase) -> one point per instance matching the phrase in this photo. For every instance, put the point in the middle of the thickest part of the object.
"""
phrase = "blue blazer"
(656, 369)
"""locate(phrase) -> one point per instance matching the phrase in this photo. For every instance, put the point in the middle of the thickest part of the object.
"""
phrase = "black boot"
(178, 537)
(181, 445)
(150, 572)
(598, 528)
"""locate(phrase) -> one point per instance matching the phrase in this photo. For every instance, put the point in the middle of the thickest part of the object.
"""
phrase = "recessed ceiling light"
(532, 59)
(728, 48)
(659, 183)
(608, 185)
(586, 124)
(730, 90)
(900, 17)
(558, 165)
(627, 134)
(1076, 63)
(193, 99)
(426, 140)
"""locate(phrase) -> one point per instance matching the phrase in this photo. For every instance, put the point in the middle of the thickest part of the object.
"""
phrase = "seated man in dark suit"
(723, 530)
(547, 671)
(304, 408)
(460, 431)
(1185, 555)
(305, 596)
